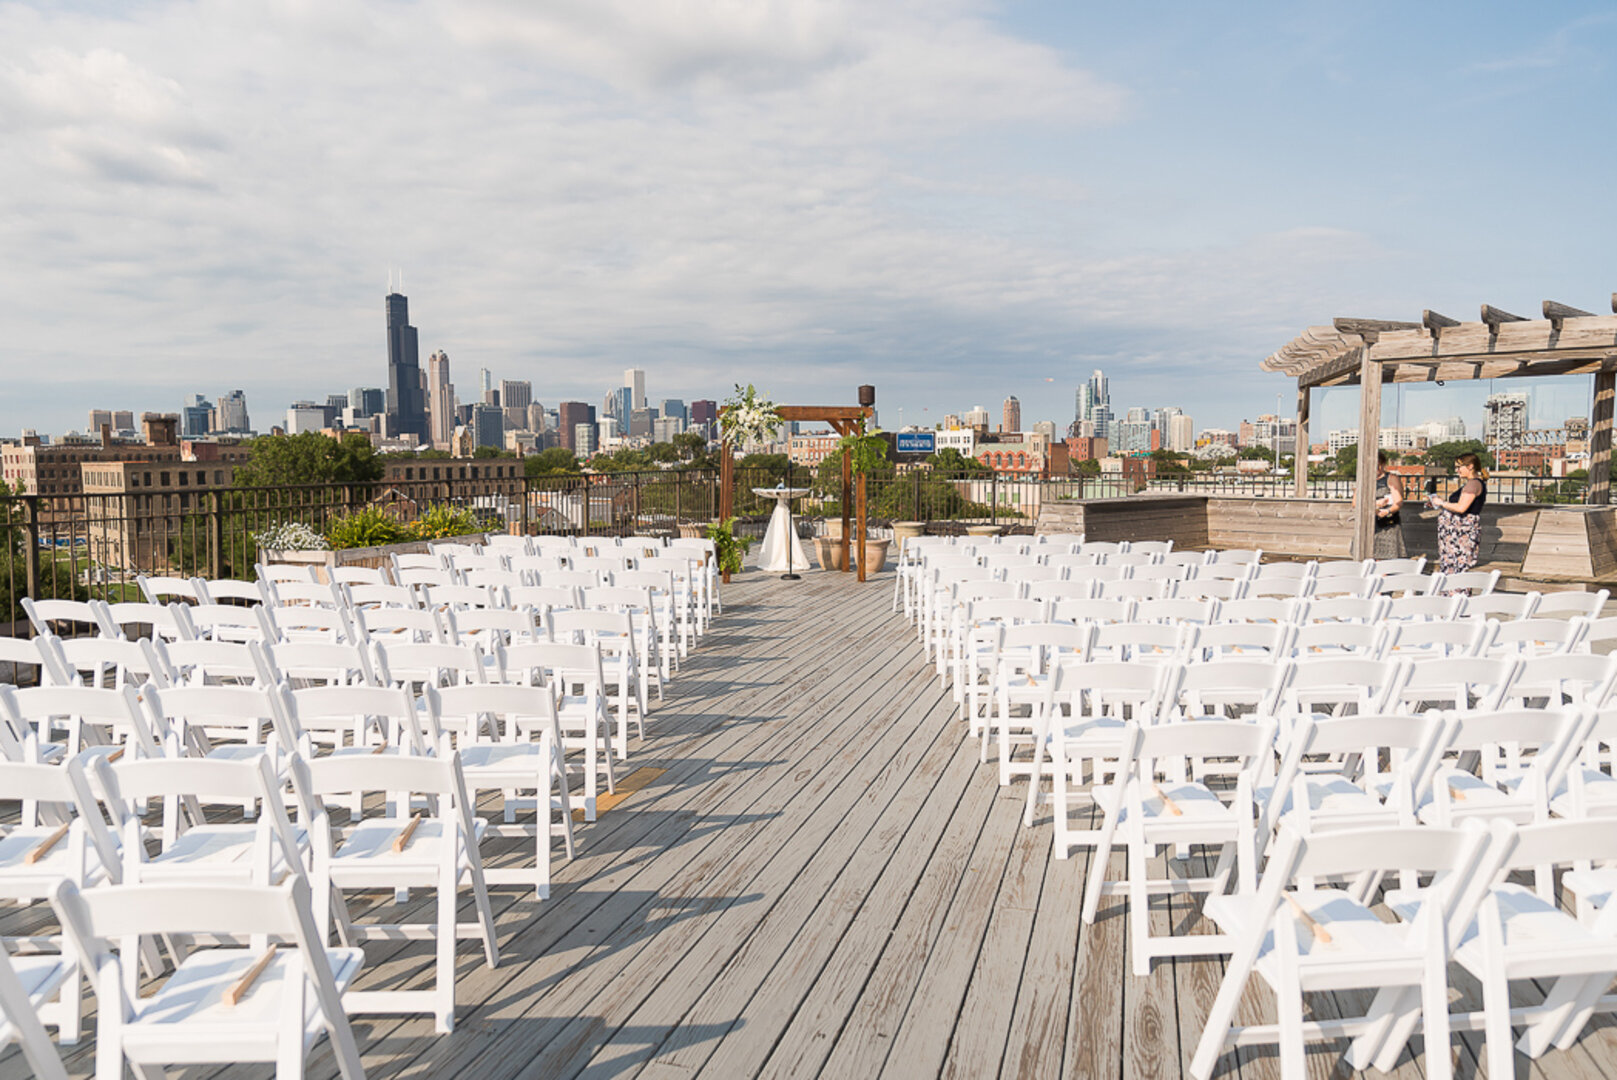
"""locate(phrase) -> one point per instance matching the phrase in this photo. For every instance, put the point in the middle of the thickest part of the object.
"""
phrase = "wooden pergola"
(844, 420)
(1370, 352)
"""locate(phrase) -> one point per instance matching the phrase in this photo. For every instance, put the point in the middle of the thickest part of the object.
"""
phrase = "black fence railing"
(95, 545)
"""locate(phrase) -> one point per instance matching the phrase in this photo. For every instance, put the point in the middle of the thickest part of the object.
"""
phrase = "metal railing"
(81, 546)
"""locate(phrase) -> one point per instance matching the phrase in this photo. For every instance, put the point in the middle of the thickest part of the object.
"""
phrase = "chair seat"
(1599, 794)
(1198, 807)
(1359, 941)
(20, 879)
(1593, 887)
(367, 851)
(41, 975)
(165, 1027)
(1335, 801)
(1472, 797)
(210, 852)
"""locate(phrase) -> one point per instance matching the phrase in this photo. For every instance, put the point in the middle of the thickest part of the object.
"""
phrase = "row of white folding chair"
(105, 720)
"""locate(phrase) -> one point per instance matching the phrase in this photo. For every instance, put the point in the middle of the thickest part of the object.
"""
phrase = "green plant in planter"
(369, 527)
(441, 522)
(729, 547)
(866, 451)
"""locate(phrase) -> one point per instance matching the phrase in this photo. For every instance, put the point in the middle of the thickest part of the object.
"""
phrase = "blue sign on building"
(917, 442)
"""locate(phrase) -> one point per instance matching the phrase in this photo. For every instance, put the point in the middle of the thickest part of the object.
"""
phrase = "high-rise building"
(634, 379)
(515, 397)
(1181, 434)
(536, 417)
(675, 408)
(488, 426)
(231, 415)
(664, 428)
(196, 417)
(581, 438)
(485, 382)
(440, 400)
(571, 414)
(1047, 428)
(1095, 404)
(99, 418)
(367, 400)
(304, 416)
(705, 415)
(123, 420)
(406, 411)
(977, 418)
(640, 422)
(1505, 420)
(1012, 419)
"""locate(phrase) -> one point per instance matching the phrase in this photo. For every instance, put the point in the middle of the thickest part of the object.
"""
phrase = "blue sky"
(951, 199)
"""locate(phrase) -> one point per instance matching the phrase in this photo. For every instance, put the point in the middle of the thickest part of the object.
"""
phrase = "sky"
(953, 200)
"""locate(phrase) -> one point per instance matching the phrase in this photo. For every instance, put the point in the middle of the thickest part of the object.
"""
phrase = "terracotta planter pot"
(829, 552)
(875, 555)
(908, 530)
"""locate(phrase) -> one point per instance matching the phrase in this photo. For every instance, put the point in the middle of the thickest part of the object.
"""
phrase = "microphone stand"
(791, 529)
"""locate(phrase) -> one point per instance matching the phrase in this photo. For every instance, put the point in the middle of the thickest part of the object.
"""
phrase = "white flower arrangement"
(748, 417)
(290, 536)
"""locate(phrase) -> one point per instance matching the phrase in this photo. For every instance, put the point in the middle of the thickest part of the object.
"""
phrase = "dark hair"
(1383, 457)
(1473, 461)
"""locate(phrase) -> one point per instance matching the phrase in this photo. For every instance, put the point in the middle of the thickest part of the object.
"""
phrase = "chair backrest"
(337, 663)
(543, 597)
(1099, 572)
(1323, 684)
(1459, 682)
(486, 627)
(1061, 589)
(1313, 639)
(1134, 590)
(1346, 609)
(1571, 603)
(79, 617)
(360, 575)
(226, 622)
(1249, 640)
(1144, 642)
(40, 654)
(1262, 610)
(66, 788)
(1095, 611)
(1440, 608)
(1132, 558)
(1351, 568)
(162, 590)
(1533, 637)
(1234, 687)
(311, 624)
(1103, 549)
(229, 590)
(1507, 743)
(1236, 555)
(1189, 610)
(1046, 644)
(498, 580)
(362, 595)
(342, 709)
(407, 663)
(578, 579)
(559, 664)
(517, 712)
(404, 624)
(1599, 635)
(1472, 582)
(243, 711)
(132, 663)
(161, 619)
(1209, 588)
(1384, 567)
(278, 572)
(1502, 607)
(1150, 547)
(1576, 680)
(38, 710)
(1409, 584)
(1006, 611)
(308, 593)
(202, 662)
(459, 597)
(1116, 688)
(1435, 640)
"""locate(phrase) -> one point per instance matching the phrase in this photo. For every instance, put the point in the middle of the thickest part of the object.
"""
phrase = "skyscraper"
(674, 407)
(515, 397)
(704, 415)
(625, 408)
(1013, 415)
(572, 414)
(196, 417)
(635, 380)
(440, 400)
(232, 414)
(367, 400)
(406, 412)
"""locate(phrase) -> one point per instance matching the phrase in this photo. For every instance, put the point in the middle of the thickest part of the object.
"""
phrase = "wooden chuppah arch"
(845, 420)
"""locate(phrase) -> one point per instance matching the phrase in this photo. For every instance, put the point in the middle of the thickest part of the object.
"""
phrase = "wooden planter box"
(379, 556)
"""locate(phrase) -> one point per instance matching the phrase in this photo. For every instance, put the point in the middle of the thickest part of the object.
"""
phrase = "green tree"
(1169, 463)
(1347, 461)
(1255, 453)
(951, 460)
(1083, 467)
(485, 452)
(1444, 453)
(663, 453)
(309, 458)
(555, 461)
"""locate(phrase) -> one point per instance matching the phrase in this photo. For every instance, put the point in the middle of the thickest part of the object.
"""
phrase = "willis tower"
(406, 411)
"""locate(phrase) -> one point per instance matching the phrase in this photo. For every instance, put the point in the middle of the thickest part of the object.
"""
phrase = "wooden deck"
(821, 881)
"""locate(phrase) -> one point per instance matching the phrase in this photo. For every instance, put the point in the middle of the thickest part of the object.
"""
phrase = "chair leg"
(1139, 905)
(1289, 1001)
(443, 988)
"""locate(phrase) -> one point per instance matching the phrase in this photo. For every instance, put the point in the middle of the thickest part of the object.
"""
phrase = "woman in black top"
(1459, 526)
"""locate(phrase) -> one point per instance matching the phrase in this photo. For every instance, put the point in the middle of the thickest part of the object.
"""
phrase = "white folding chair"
(1178, 810)
(438, 849)
(405, 625)
(575, 678)
(360, 575)
(1533, 637)
(279, 572)
(163, 590)
(1262, 610)
(613, 633)
(1472, 582)
(1461, 683)
(1423, 641)
(40, 655)
(1426, 607)
(115, 662)
(220, 1006)
(526, 766)
(1502, 607)
(1570, 603)
(77, 617)
(1325, 639)
(152, 620)
(372, 595)
(92, 721)
(1328, 939)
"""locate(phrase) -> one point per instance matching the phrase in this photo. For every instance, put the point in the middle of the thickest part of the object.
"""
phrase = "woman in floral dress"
(1459, 526)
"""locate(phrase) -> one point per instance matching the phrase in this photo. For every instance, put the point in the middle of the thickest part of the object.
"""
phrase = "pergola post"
(1600, 437)
(1299, 460)
(1364, 486)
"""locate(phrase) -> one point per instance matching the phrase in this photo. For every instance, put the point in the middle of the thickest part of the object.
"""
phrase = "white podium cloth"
(772, 557)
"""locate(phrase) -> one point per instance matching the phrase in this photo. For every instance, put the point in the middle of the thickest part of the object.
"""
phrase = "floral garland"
(747, 417)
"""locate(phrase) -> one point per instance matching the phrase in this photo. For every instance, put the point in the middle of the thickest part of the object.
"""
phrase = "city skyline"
(956, 201)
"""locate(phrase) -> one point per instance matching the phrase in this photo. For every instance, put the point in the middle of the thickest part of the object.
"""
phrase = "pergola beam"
(1559, 313)
(1435, 323)
(1493, 317)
